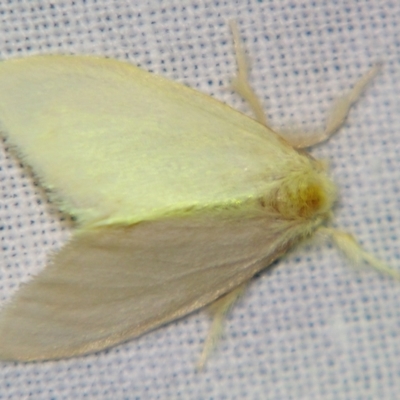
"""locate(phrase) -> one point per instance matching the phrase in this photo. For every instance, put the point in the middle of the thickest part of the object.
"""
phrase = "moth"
(179, 200)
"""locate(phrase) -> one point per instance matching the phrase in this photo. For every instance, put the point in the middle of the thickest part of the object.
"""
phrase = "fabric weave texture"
(312, 327)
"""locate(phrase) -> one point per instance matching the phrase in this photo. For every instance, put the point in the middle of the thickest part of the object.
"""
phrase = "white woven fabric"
(313, 328)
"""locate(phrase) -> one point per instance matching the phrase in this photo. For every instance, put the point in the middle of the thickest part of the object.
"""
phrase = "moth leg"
(335, 118)
(337, 115)
(218, 309)
(240, 82)
(353, 251)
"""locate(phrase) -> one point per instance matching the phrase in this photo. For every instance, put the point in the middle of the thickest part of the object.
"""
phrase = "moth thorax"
(304, 196)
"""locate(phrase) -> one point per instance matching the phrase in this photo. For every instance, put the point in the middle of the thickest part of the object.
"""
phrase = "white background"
(312, 328)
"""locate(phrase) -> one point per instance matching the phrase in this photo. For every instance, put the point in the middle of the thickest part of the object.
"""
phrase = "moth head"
(304, 195)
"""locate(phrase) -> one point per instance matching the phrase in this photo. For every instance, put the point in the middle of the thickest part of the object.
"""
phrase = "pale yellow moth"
(178, 199)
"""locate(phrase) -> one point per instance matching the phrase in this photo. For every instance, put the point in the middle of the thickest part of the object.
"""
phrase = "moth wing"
(107, 138)
(109, 285)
